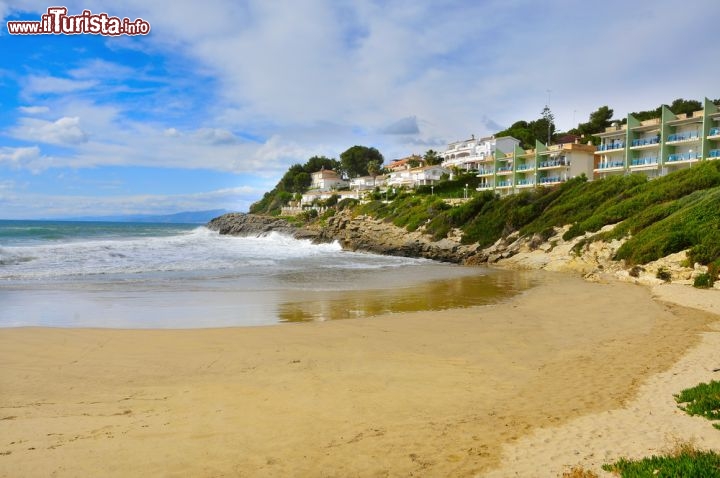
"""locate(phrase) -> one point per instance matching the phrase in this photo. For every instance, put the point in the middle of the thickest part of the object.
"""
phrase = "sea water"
(139, 275)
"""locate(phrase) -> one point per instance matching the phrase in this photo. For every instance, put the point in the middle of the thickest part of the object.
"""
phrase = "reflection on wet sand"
(440, 294)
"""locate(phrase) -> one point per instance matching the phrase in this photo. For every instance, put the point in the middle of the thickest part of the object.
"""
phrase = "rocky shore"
(593, 260)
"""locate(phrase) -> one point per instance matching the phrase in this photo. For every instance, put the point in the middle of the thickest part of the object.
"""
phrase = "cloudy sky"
(210, 108)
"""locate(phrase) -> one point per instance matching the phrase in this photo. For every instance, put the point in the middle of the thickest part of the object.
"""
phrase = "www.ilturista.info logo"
(57, 22)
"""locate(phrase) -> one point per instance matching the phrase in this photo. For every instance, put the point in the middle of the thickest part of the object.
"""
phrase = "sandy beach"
(567, 373)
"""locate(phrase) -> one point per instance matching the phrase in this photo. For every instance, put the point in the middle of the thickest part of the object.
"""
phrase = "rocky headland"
(592, 260)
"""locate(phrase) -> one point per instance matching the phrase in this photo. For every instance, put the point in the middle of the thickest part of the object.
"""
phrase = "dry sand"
(447, 393)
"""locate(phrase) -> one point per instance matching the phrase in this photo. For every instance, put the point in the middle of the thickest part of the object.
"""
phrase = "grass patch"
(684, 462)
(703, 400)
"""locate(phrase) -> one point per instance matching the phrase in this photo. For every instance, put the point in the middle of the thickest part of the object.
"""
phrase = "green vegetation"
(295, 181)
(529, 132)
(663, 216)
(684, 462)
(703, 400)
(356, 161)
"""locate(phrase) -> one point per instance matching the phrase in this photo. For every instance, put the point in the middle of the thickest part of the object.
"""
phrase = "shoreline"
(433, 393)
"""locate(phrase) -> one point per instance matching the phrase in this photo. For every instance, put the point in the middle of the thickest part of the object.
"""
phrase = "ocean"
(140, 275)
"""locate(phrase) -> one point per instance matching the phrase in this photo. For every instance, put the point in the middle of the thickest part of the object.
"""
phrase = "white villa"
(327, 180)
(472, 153)
(420, 176)
(366, 183)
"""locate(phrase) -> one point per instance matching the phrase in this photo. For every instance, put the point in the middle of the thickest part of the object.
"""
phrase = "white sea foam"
(197, 250)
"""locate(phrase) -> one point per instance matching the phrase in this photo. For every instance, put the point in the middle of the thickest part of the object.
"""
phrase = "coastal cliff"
(354, 233)
(580, 255)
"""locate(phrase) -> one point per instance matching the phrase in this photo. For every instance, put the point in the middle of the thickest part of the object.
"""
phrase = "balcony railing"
(645, 141)
(485, 172)
(714, 132)
(504, 168)
(714, 153)
(643, 162)
(610, 147)
(525, 182)
(683, 157)
(611, 164)
(504, 184)
(523, 167)
(553, 163)
(683, 136)
(551, 179)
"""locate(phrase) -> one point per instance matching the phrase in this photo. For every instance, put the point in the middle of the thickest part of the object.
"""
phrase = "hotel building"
(517, 170)
(659, 146)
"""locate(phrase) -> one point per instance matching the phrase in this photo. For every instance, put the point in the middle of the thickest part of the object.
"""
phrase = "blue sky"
(210, 108)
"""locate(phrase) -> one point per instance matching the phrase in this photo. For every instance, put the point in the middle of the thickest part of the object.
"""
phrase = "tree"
(354, 161)
(599, 120)
(373, 168)
(414, 161)
(681, 106)
(549, 123)
(432, 158)
(316, 163)
(301, 182)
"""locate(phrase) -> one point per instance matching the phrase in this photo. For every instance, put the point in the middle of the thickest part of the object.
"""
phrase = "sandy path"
(421, 394)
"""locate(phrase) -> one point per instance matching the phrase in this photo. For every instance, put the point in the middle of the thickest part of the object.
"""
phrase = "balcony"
(611, 165)
(611, 146)
(714, 132)
(680, 137)
(645, 141)
(553, 163)
(504, 184)
(523, 167)
(484, 187)
(673, 158)
(524, 183)
(485, 172)
(644, 162)
(714, 154)
(551, 180)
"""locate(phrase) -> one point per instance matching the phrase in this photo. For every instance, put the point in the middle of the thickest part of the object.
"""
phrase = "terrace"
(611, 146)
(551, 180)
(524, 183)
(682, 137)
(553, 163)
(610, 165)
(643, 162)
(645, 141)
(677, 157)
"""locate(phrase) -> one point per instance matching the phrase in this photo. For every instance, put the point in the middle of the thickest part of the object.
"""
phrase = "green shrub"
(663, 274)
(702, 400)
(703, 281)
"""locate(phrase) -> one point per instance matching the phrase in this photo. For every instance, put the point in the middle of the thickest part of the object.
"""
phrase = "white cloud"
(64, 131)
(23, 158)
(215, 136)
(34, 85)
(33, 110)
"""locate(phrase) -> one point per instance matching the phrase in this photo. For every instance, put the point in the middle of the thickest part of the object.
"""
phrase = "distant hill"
(186, 217)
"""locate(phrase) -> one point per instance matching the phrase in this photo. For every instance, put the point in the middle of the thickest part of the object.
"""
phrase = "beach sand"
(565, 373)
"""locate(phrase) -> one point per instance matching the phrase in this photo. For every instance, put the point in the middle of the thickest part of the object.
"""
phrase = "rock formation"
(594, 260)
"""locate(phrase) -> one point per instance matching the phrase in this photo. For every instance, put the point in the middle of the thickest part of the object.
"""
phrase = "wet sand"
(441, 393)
